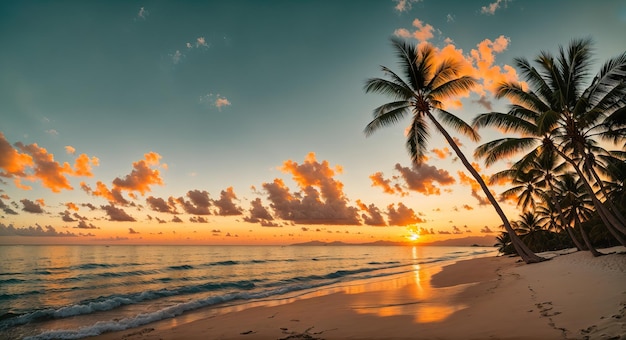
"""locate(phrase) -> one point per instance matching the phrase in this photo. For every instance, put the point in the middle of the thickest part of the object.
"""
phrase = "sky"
(241, 122)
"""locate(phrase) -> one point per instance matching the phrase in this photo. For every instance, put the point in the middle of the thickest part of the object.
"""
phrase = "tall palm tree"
(428, 82)
(557, 114)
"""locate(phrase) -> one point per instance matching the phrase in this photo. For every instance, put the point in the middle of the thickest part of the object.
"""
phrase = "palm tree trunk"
(607, 201)
(565, 225)
(524, 252)
(586, 237)
(604, 213)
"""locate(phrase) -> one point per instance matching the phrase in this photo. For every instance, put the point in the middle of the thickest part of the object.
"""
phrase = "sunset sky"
(238, 122)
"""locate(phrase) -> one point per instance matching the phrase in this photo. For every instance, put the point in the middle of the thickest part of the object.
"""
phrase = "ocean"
(72, 292)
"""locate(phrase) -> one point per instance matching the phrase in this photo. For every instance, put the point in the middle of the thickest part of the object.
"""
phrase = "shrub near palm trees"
(426, 83)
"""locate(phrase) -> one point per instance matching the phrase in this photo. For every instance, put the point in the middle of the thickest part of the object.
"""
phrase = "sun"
(414, 233)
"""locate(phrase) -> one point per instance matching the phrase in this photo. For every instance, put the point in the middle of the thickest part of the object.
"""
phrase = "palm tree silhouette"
(558, 115)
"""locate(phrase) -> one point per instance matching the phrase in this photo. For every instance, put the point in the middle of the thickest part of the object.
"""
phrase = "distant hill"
(483, 241)
(339, 243)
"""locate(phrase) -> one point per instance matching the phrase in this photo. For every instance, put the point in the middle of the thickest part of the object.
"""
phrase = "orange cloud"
(71, 206)
(225, 205)
(422, 32)
(142, 176)
(379, 181)
(70, 149)
(422, 178)
(479, 63)
(12, 162)
(372, 215)
(441, 153)
(82, 166)
(402, 216)
(46, 169)
(320, 200)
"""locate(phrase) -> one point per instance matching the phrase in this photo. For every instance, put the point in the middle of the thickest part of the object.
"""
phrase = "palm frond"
(417, 139)
(386, 115)
(501, 148)
(506, 122)
(458, 124)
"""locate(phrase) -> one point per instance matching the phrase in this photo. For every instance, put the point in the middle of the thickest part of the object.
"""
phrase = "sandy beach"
(572, 296)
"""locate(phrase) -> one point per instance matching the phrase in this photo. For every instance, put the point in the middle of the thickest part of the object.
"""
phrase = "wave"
(110, 302)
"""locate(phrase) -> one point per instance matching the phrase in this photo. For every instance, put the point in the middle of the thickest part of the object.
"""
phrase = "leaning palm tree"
(429, 82)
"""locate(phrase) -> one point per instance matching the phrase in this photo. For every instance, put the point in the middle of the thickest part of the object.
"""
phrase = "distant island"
(476, 241)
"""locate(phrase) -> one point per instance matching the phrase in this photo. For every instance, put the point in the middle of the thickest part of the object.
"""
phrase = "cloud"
(46, 169)
(84, 225)
(404, 5)
(423, 32)
(467, 207)
(484, 102)
(177, 219)
(70, 149)
(199, 202)
(142, 14)
(117, 214)
(379, 181)
(113, 196)
(422, 178)
(478, 63)
(35, 163)
(442, 153)
(225, 205)
(142, 176)
(66, 216)
(52, 132)
(47, 231)
(473, 184)
(83, 164)
(372, 215)
(456, 230)
(258, 213)
(198, 219)
(201, 42)
(161, 205)
(492, 7)
(402, 216)
(12, 163)
(320, 200)
(177, 57)
(31, 207)
(217, 100)
(450, 18)
(486, 230)
(132, 231)
(71, 206)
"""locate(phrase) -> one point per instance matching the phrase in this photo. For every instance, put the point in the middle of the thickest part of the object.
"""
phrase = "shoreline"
(572, 296)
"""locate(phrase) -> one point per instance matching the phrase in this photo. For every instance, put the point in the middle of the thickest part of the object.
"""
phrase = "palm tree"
(577, 205)
(531, 228)
(427, 84)
(557, 115)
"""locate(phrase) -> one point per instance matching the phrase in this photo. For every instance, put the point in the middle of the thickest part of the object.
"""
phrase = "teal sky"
(225, 92)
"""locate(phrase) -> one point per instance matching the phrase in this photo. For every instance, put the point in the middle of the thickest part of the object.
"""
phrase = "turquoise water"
(71, 292)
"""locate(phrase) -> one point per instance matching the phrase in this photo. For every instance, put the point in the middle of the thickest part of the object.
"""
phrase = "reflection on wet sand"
(427, 304)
